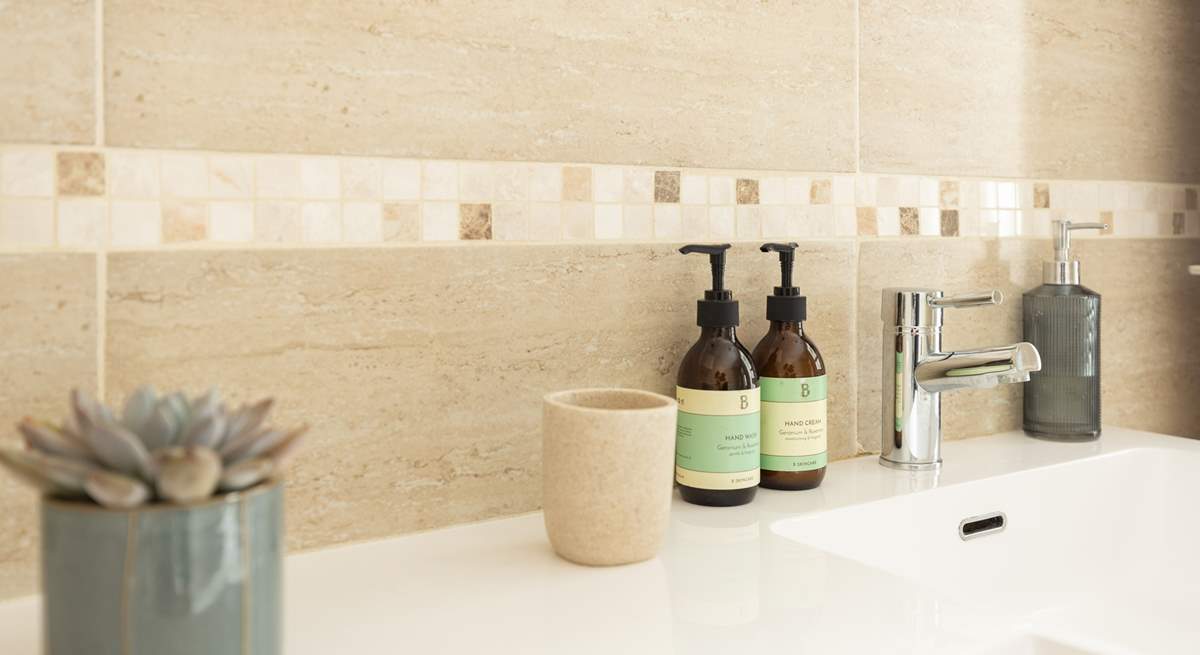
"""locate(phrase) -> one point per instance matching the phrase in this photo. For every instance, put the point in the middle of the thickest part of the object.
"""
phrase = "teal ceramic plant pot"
(200, 579)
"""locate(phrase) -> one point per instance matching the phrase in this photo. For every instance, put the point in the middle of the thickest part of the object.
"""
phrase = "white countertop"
(725, 582)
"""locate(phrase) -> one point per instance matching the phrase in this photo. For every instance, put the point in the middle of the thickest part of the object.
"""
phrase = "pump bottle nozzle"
(786, 304)
(1064, 270)
(787, 255)
(718, 308)
(716, 258)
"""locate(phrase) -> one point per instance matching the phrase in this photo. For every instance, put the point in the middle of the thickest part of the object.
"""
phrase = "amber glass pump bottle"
(793, 384)
(716, 441)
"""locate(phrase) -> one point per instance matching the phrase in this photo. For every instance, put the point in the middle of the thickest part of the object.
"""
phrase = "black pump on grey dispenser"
(1062, 319)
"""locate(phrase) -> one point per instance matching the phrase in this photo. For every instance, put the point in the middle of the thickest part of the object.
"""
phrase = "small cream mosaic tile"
(183, 221)
(439, 221)
(231, 221)
(134, 174)
(321, 222)
(27, 222)
(143, 198)
(362, 222)
(82, 222)
(25, 173)
(608, 222)
(135, 223)
(230, 176)
(186, 176)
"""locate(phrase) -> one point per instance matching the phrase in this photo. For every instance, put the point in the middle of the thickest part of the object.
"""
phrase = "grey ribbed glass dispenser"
(1062, 319)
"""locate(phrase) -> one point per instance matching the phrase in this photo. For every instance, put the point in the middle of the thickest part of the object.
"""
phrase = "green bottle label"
(716, 439)
(794, 423)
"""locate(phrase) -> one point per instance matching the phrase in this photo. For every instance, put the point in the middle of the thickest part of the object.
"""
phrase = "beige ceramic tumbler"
(607, 465)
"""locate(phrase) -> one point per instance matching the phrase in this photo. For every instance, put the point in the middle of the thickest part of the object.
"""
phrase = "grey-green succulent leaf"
(244, 422)
(139, 409)
(206, 432)
(57, 475)
(282, 453)
(53, 441)
(114, 490)
(253, 445)
(120, 450)
(161, 429)
(246, 474)
(187, 475)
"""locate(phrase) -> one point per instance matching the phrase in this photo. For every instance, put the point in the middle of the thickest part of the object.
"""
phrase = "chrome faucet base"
(910, 466)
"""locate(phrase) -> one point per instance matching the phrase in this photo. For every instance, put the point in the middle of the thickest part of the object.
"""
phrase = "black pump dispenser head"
(718, 309)
(786, 304)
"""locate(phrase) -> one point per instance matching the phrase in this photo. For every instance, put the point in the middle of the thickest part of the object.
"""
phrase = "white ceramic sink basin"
(1097, 555)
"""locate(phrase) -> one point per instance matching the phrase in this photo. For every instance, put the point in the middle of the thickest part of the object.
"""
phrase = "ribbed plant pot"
(201, 579)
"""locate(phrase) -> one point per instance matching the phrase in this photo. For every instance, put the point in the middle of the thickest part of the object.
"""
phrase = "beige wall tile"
(49, 328)
(1040, 88)
(386, 457)
(737, 80)
(47, 73)
(1150, 364)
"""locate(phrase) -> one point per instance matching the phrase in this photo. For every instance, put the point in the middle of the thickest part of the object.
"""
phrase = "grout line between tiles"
(98, 99)
(101, 321)
(857, 87)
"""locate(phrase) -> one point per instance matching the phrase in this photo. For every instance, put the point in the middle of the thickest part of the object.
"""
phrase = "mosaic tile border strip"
(107, 197)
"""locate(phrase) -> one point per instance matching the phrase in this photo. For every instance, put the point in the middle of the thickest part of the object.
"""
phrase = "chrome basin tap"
(916, 371)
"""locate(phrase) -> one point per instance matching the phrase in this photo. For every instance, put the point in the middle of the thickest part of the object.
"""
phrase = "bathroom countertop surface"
(724, 582)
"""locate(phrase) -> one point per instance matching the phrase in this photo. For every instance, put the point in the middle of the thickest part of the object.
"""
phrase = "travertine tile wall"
(164, 164)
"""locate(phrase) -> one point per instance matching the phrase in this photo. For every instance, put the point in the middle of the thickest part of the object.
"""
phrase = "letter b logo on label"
(745, 402)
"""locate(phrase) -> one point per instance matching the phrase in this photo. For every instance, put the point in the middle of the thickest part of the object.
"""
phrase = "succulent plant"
(161, 448)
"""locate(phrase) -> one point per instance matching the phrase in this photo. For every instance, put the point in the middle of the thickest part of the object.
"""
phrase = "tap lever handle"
(971, 299)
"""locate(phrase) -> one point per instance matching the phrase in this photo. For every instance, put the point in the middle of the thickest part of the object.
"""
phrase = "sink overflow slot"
(979, 526)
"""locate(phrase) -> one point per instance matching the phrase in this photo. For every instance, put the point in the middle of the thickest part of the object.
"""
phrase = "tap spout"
(977, 369)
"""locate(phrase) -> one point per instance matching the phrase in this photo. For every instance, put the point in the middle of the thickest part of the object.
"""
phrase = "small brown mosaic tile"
(401, 221)
(747, 192)
(949, 219)
(80, 174)
(666, 186)
(1107, 219)
(576, 183)
(1041, 195)
(1177, 223)
(475, 220)
(1190, 202)
(184, 221)
(868, 224)
(821, 192)
(948, 193)
(910, 221)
